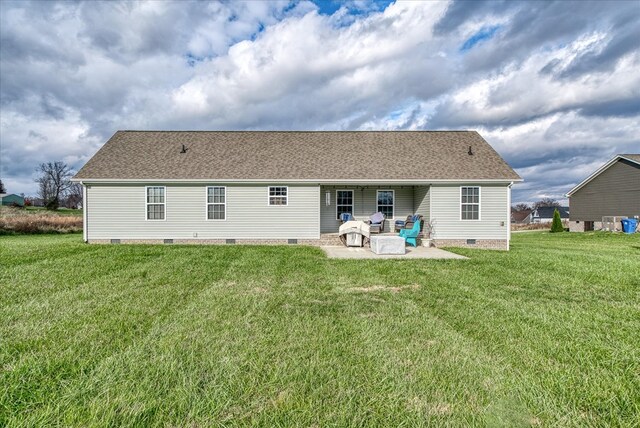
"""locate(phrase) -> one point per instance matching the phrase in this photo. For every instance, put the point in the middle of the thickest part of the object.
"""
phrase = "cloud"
(552, 85)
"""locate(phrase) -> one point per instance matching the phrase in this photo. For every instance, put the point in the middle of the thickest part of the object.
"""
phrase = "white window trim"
(393, 206)
(147, 203)
(353, 201)
(269, 196)
(479, 204)
(207, 203)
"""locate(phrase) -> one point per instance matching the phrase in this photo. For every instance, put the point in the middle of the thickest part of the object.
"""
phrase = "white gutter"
(289, 181)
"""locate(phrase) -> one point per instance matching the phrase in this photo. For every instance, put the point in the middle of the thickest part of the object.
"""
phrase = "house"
(13, 200)
(611, 191)
(36, 202)
(291, 187)
(545, 214)
(520, 217)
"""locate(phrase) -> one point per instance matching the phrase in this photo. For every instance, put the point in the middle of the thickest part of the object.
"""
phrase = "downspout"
(85, 214)
(509, 215)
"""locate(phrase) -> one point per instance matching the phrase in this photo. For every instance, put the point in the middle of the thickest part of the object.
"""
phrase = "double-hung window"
(155, 202)
(385, 201)
(470, 203)
(278, 195)
(344, 202)
(216, 203)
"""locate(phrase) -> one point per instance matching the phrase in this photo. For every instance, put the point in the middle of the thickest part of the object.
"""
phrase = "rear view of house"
(292, 187)
(611, 191)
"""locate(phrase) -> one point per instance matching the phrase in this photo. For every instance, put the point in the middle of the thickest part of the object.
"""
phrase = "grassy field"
(122, 335)
(59, 211)
(32, 220)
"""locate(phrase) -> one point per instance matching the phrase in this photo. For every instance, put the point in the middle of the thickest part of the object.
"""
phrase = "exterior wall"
(614, 192)
(119, 212)
(494, 223)
(422, 201)
(364, 205)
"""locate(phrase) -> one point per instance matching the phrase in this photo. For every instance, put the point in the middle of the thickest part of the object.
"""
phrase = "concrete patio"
(341, 252)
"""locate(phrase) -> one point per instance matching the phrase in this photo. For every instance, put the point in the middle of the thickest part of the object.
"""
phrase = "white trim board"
(377, 182)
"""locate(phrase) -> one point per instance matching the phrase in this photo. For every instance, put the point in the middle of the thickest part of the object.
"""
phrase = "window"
(155, 203)
(344, 202)
(216, 203)
(470, 203)
(278, 195)
(385, 202)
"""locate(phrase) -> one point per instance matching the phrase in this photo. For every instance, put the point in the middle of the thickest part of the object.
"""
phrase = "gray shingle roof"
(635, 157)
(547, 212)
(278, 155)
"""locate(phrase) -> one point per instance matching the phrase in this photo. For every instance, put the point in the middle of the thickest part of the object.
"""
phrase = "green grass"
(59, 211)
(122, 335)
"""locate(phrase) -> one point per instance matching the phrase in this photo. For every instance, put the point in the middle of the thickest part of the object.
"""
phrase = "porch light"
(327, 198)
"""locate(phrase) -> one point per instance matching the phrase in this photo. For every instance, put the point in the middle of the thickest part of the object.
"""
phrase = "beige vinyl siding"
(494, 213)
(118, 212)
(614, 192)
(422, 201)
(365, 204)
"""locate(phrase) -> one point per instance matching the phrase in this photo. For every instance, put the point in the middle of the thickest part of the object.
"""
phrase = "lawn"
(59, 211)
(134, 335)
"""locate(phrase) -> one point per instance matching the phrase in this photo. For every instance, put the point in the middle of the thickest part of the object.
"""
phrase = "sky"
(554, 87)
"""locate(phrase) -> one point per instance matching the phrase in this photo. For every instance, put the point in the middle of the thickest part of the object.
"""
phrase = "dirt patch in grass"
(433, 409)
(375, 288)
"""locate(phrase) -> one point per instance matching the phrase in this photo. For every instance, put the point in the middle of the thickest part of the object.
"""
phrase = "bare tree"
(73, 197)
(2, 189)
(546, 202)
(521, 207)
(53, 182)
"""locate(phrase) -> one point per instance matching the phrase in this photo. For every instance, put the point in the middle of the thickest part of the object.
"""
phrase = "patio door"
(344, 202)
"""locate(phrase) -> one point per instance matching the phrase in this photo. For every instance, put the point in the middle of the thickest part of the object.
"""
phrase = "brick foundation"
(313, 242)
(485, 244)
(576, 226)
(325, 240)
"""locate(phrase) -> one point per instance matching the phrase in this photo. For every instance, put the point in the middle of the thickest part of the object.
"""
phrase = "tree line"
(55, 188)
(545, 202)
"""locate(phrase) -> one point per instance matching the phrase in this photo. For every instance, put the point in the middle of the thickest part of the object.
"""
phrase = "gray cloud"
(554, 89)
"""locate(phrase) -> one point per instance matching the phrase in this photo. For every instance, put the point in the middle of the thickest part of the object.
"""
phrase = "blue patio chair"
(408, 223)
(345, 217)
(410, 235)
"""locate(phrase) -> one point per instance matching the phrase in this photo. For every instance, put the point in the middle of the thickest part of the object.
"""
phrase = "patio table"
(382, 244)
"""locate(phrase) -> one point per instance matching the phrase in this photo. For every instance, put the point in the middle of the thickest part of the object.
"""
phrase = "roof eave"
(296, 181)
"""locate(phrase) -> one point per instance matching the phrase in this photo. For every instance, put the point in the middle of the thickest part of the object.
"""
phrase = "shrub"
(556, 225)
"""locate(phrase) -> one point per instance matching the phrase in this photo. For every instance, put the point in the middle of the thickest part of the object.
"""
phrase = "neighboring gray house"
(265, 187)
(612, 191)
(545, 214)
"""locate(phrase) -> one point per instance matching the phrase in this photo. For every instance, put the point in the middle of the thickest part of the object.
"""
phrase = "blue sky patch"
(485, 33)
(329, 7)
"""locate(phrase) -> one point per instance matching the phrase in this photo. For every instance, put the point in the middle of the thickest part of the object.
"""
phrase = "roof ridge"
(291, 131)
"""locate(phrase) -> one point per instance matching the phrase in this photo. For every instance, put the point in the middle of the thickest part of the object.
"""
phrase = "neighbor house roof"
(519, 216)
(631, 157)
(547, 212)
(292, 156)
